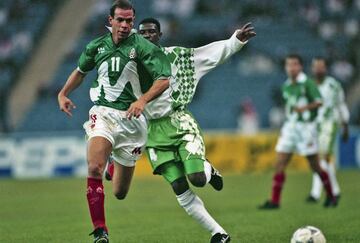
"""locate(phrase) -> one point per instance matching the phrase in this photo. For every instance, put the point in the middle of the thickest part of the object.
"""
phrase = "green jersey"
(299, 94)
(334, 108)
(125, 71)
(188, 66)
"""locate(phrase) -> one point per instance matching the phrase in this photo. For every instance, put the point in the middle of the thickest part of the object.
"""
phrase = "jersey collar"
(301, 78)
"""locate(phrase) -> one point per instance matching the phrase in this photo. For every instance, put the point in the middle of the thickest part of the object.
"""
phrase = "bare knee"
(197, 179)
(95, 169)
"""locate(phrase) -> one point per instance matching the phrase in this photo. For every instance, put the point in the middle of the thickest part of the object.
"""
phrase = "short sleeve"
(154, 60)
(87, 59)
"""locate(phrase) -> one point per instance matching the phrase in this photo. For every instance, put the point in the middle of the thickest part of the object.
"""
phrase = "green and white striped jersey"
(299, 94)
(334, 107)
(125, 71)
(188, 66)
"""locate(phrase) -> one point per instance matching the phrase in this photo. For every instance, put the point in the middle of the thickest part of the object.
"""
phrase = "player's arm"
(86, 63)
(314, 96)
(344, 113)
(74, 80)
(158, 87)
(212, 55)
(158, 66)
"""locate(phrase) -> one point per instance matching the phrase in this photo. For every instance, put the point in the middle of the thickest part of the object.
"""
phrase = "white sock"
(317, 185)
(207, 170)
(332, 176)
(194, 207)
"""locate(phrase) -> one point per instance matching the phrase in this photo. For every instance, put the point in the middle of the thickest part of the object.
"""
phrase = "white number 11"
(115, 64)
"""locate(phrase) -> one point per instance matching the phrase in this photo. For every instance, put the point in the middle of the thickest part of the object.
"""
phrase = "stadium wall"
(43, 155)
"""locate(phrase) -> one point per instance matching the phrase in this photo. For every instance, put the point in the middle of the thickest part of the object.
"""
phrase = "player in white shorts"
(298, 134)
(131, 72)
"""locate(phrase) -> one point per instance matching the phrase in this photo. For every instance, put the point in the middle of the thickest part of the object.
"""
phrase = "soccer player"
(127, 66)
(298, 133)
(332, 113)
(175, 144)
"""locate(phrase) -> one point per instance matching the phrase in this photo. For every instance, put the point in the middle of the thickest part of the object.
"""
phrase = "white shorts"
(128, 137)
(327, 136)
(298, 137)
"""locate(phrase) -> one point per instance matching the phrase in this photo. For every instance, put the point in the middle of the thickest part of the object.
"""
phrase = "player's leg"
(327, 135)
(99, 148)
(307, 145)
(121, 180)
(315, 166)
(284, 148)
(278, 181)
(173, 172)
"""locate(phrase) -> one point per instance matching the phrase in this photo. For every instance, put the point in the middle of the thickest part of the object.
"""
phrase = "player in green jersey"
(175, 145)
(131, 72)
(299, 132)
(332, 113)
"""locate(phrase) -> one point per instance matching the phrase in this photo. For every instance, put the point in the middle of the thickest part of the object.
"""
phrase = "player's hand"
(345, 133)
(136, 109)
(246, 32)
(65, 104)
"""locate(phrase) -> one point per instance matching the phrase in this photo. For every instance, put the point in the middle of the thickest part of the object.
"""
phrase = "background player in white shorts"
(298, 134)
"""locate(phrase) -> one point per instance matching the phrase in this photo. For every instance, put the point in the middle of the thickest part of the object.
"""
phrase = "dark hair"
(295, 56)
(123, 4)
(152, 21)
(321, 58)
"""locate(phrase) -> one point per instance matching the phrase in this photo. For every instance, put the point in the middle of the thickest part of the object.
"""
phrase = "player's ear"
(110, 20)
(160, 34)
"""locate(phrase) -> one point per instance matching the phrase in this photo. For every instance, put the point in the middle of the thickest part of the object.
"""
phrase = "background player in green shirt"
(299, 132)
(332, 113)
(175, 145)
(131, 72)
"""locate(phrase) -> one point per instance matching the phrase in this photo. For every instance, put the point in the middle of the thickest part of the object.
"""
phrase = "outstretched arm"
(138, 106)
(74, 80)
(210, 56)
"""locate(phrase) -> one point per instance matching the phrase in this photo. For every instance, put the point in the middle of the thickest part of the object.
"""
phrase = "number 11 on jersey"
(115, 64)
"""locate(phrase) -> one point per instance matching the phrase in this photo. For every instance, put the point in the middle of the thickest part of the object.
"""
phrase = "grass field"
(56, 211)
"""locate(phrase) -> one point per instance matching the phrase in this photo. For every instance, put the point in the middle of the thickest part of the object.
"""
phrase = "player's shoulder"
(95, 43)
(332, 81)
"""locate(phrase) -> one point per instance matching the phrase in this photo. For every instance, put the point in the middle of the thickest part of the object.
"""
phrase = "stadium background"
(42, 40)
(238, 104)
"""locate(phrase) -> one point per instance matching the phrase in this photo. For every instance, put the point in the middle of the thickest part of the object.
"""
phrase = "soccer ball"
(308, 234)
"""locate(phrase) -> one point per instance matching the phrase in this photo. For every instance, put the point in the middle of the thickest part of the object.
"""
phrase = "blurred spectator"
(248, 119)
(327, 30)
(178, 8)
(311, 13)
(351, 28)
(343, 70)
(335, 6)
(256, 63)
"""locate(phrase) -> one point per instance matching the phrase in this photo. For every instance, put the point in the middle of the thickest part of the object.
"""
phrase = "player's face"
(293, 67)
(121, 23)
(150, 32)
(318, 68)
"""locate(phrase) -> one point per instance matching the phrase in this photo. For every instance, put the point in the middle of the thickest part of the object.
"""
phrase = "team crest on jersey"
(101, 50)
(132, 54)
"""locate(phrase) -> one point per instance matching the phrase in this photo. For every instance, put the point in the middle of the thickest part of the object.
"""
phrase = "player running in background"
(332, 113)
(175, 146)
(299, 132)
(127, 66)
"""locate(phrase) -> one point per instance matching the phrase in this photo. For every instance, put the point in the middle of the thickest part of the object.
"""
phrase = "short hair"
(152, 21)
(123, 4)
(295, 56)
(321, 58)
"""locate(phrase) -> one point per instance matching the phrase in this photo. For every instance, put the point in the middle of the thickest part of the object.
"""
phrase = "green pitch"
(56, 211)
